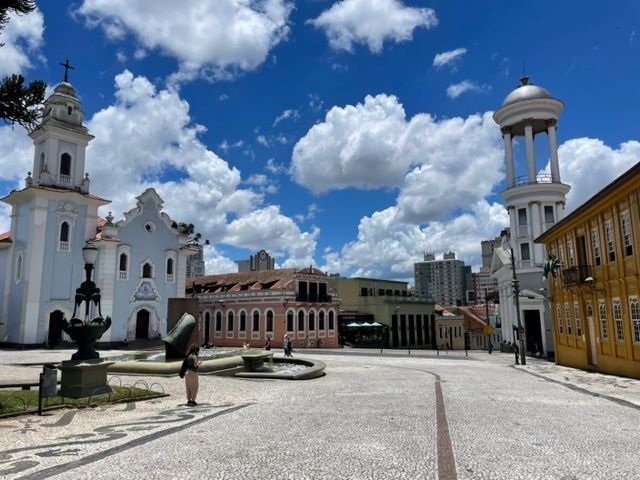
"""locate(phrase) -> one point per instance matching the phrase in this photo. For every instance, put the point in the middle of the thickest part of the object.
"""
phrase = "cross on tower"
(66, 66)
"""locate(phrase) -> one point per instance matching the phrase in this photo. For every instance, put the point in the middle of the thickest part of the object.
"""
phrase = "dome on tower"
(526, 91)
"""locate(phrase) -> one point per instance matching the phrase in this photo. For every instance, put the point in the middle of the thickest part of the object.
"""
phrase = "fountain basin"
(235, 365)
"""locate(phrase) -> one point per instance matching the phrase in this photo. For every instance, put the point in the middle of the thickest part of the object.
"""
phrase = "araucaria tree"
(19, 103)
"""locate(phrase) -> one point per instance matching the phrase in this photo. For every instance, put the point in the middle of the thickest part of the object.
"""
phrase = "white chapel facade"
(141, 259)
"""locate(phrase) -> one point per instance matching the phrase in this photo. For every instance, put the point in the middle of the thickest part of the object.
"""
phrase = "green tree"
(19, 103)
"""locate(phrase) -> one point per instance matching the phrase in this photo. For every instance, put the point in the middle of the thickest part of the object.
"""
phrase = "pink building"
(249, 307)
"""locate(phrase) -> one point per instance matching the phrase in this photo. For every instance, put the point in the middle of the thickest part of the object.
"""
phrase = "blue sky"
(353, 135)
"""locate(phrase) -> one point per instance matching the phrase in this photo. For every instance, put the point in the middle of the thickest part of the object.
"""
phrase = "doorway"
(142, 324)
(55, 328)
(533, 330)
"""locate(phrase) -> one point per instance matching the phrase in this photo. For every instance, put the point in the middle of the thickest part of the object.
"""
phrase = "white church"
(141, 260)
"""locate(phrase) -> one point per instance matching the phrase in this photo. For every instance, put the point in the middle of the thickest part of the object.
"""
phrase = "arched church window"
(63, 243)
(170, 267)
(65, 164)
(123, 266)
(269, 327)
(147, 270)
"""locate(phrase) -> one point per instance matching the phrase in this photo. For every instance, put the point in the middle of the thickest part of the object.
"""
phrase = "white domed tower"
(535, 201)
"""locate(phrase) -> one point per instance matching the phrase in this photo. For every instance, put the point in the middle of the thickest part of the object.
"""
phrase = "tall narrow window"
(147, 270)
(301, 321)
(229, 322)
(559, 318)
(289, 321)
(548, 214)
(42, 162)
(218, 321)
(604, 326)
(256, 321)
(332, 324)
(611, 244)
(567, 317)
(571, 258)
(595, 242)
(64, 237)
(525, 254)
(169, 270)
(576, 314)
(123, 266)
(634, 310)
(312, 321)
(64, 174)
(625, 220)
(617, 318)
(243, 321)
(269, 327)
(523, 231)
(321, 320)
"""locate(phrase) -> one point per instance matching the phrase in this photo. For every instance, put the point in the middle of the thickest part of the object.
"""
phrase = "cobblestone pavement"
(371, 417)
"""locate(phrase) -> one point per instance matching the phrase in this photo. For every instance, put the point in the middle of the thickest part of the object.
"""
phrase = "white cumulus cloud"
(22, 38)
(438, 165)
(211, 38)
(372, 22)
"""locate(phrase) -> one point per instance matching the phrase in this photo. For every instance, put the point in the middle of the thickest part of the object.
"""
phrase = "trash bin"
(49, 381)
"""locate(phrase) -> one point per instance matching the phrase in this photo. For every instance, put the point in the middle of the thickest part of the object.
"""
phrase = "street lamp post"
(515, 283)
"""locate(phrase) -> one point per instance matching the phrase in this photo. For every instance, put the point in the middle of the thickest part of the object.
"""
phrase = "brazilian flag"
(551, 267)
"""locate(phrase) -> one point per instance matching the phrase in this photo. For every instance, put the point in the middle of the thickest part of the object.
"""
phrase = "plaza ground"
(389, 416)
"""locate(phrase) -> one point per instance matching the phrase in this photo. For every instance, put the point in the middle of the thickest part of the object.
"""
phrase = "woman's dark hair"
(193, 349)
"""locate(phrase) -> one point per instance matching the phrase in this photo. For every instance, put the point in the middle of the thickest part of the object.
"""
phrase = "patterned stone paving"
(370, 417)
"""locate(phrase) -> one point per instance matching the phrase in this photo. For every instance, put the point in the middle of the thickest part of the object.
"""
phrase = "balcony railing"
(575, 275)
(313, 298)
(64, 178)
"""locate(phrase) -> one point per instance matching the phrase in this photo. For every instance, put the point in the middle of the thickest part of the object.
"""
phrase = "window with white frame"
(602, 313)
(595, 243)
(269, 326)
(123, 258)
(218, 322)
(170, 267)
(331, 320)
(64, 236)
(548, 214)
(561, 253)
(617, 319)
(571, 258)
(243, 321)
(321, 320)
(525, 254)
(567, 317)
(301, 321)
(65, 168)
(147, 270)
(589, 308)
(625, 220)
(256, 321)
(634, 311)
(289, 321)
(229, 323)
(576, 315)
(611, 243)
(559, 318)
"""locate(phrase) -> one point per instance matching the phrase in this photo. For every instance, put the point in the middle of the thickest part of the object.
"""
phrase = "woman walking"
(191, 365)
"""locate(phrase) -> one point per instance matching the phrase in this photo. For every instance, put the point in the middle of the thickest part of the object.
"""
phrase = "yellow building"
(407, 320)
(595, 296)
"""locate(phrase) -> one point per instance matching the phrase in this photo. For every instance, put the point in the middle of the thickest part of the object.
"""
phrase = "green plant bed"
(17, 401)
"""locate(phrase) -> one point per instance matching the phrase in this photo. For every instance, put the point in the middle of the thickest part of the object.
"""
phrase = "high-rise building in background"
(446, 281)
(482, 283)
(195, 263)
(256, 263)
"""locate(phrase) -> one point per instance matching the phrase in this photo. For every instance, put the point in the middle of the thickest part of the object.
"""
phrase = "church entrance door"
(142, 324)
(55, 328)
